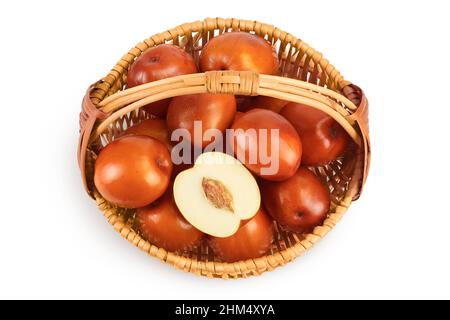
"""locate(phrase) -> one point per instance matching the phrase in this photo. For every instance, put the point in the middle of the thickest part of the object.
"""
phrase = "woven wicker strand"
(305, 77)
(241, 83)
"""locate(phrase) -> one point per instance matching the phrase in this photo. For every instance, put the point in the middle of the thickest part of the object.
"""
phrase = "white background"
(393, 243)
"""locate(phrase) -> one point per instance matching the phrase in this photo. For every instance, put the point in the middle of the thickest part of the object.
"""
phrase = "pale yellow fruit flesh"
(199, 211)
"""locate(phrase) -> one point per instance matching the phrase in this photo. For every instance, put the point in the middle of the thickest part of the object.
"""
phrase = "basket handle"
(88, 118)
(361, 117)
(247, 83)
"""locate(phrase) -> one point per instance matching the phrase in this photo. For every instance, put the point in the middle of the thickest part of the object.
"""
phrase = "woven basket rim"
(102, 98)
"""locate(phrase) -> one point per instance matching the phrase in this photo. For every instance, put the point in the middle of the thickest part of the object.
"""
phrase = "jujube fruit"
(299, 203)
(239, 51)
(163, 225)
(251, 241)
(215, 111)
(217, 194)
(252, 144)
(157, 63)
(155, 128)
(133, 171)
(324, 139)
(269, 103)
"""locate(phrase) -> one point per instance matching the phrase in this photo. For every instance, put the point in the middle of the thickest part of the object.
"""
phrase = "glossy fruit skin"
(229, 142)
(157, 63)
(299, 203)
(163, 225)
(324, 140)
(155, 128)
(251, 241)
(243, 103)
(261, 102)
(268, 103)
(213, 110)
(290, 146)
(238, 115)
(239, 51)
(133, 171)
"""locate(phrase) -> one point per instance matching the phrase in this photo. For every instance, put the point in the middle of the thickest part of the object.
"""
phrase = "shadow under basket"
(305, 77)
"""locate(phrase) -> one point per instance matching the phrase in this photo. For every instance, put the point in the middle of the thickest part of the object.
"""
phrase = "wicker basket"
(305, 77)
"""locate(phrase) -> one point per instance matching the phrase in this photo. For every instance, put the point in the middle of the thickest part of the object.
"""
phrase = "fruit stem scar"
(217, 194)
